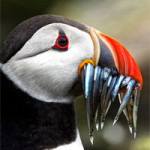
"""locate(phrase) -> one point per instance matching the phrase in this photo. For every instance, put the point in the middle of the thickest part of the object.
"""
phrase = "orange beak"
(122, 59)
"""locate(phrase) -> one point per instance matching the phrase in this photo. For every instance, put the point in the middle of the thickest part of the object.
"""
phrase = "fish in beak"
(112, 71)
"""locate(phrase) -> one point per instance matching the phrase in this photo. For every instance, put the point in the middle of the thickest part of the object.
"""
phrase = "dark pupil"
(62, 41)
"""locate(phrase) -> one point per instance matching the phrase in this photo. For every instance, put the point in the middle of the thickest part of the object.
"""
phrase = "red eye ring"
(61, 42)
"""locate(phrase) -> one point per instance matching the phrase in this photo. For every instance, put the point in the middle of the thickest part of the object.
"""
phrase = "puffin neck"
(27, 123)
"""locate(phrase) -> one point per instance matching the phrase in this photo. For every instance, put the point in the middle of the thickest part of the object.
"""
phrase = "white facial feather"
(47, 74)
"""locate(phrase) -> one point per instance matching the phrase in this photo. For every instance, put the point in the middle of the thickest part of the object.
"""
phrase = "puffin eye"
(61, 42)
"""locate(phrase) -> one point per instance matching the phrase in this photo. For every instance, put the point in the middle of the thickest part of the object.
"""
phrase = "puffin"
(46, 62)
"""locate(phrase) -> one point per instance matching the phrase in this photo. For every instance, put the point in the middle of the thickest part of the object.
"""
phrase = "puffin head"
(45, 56)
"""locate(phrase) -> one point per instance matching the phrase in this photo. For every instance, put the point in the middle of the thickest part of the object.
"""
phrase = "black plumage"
(29, 124)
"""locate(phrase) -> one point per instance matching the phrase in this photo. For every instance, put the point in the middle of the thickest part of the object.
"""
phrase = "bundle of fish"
(101, 86)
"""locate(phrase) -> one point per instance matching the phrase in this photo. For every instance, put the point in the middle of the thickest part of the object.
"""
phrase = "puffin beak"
(112, 71)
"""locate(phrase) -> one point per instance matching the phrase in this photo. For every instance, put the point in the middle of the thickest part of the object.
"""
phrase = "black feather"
(29, 124)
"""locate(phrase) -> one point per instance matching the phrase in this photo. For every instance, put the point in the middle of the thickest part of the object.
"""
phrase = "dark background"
(128, 22)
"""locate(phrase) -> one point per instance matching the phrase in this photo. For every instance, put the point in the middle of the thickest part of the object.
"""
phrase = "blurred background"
(128, 21)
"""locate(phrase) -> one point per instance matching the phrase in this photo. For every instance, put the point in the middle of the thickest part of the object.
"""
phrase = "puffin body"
(44, 62)
(29, 124)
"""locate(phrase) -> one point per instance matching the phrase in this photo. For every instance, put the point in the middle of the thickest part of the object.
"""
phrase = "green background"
(128, 21)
